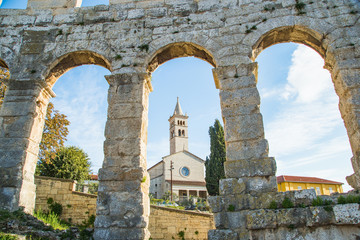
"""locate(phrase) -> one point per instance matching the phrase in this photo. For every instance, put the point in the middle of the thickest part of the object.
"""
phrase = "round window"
(185, 171)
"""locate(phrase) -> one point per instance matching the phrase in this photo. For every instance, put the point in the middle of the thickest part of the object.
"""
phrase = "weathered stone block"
(261, 219)
(120, 147)
(347, 213)
(318, 216)
(121, 174)
(262, 184)
(216, 203)
(237, 110)
(244, 127)
(125, 110)
(250, 168)
(229, 186)
(243, 96)
(48, 4)
(126, 128)
(222, 234)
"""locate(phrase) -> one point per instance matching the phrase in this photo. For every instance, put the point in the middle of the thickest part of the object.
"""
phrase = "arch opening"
(72, 60)
(301, 119)
(191, 80)
(177, 50)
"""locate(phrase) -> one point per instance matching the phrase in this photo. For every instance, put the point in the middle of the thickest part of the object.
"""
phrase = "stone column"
(250, 173)
(347, 87)
(123, 204)
(21, 124)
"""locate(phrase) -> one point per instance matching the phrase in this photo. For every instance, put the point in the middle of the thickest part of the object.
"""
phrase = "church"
(181, 169)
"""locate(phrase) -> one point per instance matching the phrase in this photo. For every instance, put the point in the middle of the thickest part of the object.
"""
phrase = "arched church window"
(183, 132)
(179, 132)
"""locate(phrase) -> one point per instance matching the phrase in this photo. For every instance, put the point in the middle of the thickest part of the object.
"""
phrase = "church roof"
(178, 110)
(186, 152)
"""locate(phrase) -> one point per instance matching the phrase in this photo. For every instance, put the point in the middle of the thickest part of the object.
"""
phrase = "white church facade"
(187, 169)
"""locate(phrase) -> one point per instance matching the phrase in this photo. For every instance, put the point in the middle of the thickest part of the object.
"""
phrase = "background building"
(321, 186)
(187, 169)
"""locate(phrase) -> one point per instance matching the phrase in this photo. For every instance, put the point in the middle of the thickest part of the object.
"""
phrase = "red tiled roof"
(192, 183)
(93, 177)
(286, 178)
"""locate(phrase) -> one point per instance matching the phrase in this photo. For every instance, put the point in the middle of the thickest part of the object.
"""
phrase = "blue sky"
(302, 122)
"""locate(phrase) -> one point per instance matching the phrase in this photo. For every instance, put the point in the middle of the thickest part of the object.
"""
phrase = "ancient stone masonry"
(132, 38)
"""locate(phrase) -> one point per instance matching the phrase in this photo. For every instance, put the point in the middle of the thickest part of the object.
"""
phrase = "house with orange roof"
(321, 186)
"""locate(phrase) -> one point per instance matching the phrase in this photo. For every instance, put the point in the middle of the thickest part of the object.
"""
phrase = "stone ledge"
(183, 211)
(55, 179)
(342, 214)
(85, 194)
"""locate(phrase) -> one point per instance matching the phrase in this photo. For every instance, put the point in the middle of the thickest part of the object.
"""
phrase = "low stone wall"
(77, 206)
(168, 223)
(165, 223)
(253, 217)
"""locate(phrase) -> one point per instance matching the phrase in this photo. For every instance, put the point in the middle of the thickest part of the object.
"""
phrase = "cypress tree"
(215, 162)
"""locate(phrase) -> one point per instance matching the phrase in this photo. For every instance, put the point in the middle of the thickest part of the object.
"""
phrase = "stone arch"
(297, 34)
(72, 60)
(341, 78)
(177, 50)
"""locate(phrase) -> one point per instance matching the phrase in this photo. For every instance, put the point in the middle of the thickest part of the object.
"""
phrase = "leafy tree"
(4, 74)
(215, 162)
(69, 163)
(54, 134)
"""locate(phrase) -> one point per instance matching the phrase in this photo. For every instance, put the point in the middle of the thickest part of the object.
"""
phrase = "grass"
(348, 199)
(273, 205)
(287, 203)
(52, 219)
(4, 236)
(231, 208)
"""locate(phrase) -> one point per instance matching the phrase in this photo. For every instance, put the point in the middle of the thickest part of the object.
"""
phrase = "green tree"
(215, 162)
(4, 74)
(69, 163)
(54, 134)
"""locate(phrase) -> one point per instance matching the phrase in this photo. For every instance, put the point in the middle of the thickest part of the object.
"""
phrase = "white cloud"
(307, 79)
(83, 98)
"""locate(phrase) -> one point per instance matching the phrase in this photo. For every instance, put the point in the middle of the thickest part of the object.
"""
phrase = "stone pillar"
(347, 87)
(250, 173)
(22, 118)
(123, 204)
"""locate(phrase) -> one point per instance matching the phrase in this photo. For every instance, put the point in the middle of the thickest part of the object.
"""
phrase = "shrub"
(348, 199)
(231, 208)
(328, 208)
(56, 208)
(181, 235)
(287, 203)
(341, 200)
(273, 205)
(318, 201)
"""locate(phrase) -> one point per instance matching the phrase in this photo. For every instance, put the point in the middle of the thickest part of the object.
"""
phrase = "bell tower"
(178, 130)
